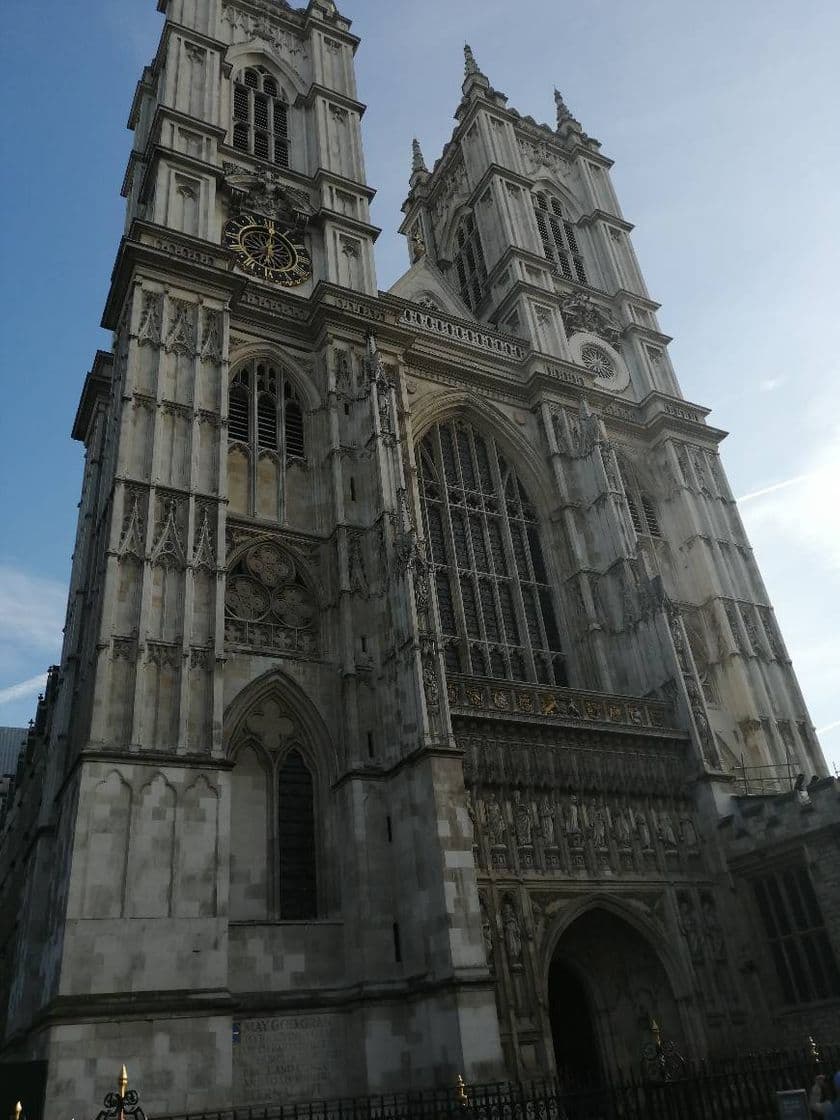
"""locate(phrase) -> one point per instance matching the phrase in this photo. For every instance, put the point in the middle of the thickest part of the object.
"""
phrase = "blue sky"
(721, 118)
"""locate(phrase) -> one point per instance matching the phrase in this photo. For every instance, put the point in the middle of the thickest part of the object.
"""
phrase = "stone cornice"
(173, 255)
(97, 387)
(315, 91)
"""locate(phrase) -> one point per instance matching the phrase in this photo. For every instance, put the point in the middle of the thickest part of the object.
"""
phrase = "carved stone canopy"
(261, 191)
(580, 313)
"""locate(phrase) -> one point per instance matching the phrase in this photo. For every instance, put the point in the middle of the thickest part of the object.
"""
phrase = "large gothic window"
(469, 263)
(495, 604)
(260, 117)
(265, 434)
(557, 235)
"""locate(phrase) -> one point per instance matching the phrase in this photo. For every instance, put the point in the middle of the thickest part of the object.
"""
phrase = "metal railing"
(764, 781)
(743, 1087)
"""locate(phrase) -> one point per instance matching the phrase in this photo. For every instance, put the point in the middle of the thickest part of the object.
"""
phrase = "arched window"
(273, 870)
(494, 601)
(558, 238)
(263, 401)
(641, 508)
(260, 117)
(469, 263)
(265, 434)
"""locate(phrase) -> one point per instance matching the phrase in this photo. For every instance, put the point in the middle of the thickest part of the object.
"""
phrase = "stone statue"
(486, 930)
(643, 830)
(573, 817)
(513, 936)
(622, 828)
(689, 928)
(495, 821)
(599, 827)
(521, 820)
(547, 821)
(666, 830)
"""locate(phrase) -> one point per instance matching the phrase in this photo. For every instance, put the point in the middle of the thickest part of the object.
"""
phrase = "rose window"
(598, 361)
(268, 603)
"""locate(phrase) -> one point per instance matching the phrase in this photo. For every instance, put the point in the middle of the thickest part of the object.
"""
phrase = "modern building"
(414, 637)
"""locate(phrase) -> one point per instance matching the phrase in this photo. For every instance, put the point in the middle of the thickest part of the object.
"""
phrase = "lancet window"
(641, 508)
(274, 820)
(494, 601)
(469, 263)
(260, 117)
(558, 238)
(266, 430)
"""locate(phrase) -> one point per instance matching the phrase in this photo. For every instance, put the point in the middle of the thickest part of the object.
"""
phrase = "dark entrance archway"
(572, 1026)
(606, 983)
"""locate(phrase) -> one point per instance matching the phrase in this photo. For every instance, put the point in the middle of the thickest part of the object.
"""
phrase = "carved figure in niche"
(573, 829)
(643, 830)
(688, 833)
(496, 828)
(513, 935)
(712, 928)
(546, 813)
(486, 929)
(358, 578)
(622, 828)
(666, 830)
(599, 827)
(521, 820)
(689, 928)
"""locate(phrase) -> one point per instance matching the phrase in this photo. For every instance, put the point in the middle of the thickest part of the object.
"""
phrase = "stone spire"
(470, 64)
(474, 78)
(417, 161)
(419, 170)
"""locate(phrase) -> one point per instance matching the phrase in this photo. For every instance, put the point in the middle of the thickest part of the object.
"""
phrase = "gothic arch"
(549, 186)
(279, 803)
(243, 55)
(524, 457)
(649, 930)
(278, 686)
(597, 953)
(241, 355)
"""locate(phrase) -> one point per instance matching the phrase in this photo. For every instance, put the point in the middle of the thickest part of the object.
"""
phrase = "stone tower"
(412, 636)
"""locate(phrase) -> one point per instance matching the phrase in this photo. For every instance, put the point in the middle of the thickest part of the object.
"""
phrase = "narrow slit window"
(296, 838)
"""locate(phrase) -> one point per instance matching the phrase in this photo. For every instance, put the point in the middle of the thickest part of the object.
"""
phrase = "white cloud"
(23, 690)
(801, 511)
(31, 611)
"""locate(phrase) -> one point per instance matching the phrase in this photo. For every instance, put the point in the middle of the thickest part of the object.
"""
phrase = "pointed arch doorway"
(606, 982)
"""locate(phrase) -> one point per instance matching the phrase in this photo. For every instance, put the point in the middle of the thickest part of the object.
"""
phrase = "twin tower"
(412, 638)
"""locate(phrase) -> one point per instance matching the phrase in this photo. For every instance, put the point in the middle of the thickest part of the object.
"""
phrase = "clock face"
(266, 250)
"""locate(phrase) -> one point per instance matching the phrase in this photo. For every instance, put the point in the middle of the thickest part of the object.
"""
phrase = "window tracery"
(495, 605)
(558, 238)
(268, 602)
(275, 822)
(260, 116)
(640, 506)
(265, 434)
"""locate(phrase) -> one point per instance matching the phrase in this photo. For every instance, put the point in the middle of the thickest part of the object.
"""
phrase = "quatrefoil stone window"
(598, 361)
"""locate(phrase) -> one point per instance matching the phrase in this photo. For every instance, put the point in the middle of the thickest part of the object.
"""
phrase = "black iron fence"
(742, 1088)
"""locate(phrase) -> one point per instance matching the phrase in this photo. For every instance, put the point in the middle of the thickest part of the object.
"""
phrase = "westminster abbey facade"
(413, 636)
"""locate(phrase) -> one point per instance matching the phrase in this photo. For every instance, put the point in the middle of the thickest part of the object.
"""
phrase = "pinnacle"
(470, 64)
(417, 161)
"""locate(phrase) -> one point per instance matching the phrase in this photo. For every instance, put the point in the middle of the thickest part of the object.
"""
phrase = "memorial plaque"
(290, 1057)
(793, 1105)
